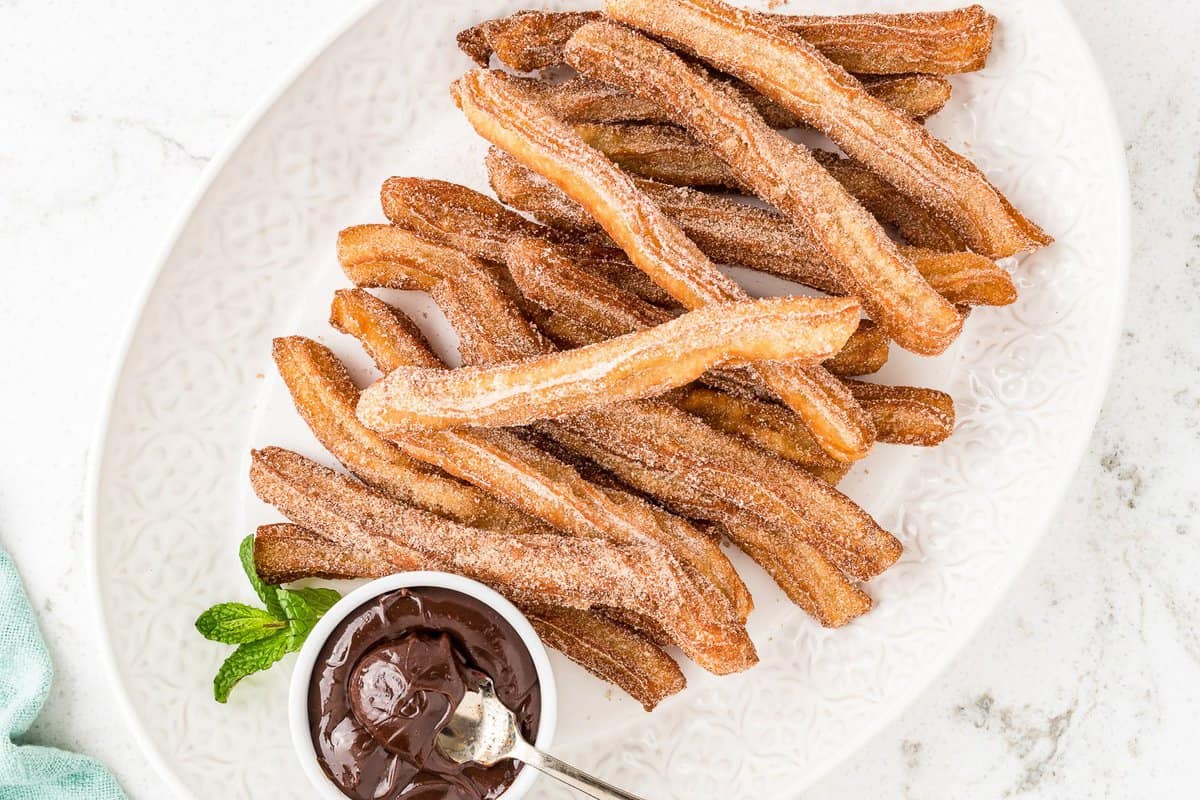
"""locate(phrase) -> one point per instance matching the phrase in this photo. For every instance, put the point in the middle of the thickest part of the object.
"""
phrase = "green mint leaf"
(247, 659)
(237, 623)
(303, 608)
(320, 599)
(268, 594)
(297, 610)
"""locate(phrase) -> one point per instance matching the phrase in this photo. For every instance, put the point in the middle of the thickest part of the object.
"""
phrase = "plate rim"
(100, 431)
(902, 702)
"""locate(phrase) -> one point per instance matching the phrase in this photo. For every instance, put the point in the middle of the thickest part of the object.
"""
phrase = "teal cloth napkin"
(30, 772)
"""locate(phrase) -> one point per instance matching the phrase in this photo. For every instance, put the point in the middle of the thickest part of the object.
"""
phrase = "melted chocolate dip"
(387, 681)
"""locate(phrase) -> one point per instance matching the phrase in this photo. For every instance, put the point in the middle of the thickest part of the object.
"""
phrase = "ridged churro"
(549, 275)
(583, 100)
(733, 232)
(609, 650)
(536, 483)
(938, 42)
(793, 73)
(781, 172)
(477, 225)
(902, 415)
(630, 367)
(907, 414)
(501, 111)
(572, 572)
(284, 552)
(916, 224)
(688, 477)
(665, 153)
(325, 397)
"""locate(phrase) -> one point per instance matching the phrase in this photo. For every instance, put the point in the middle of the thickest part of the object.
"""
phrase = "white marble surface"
(1084, 683)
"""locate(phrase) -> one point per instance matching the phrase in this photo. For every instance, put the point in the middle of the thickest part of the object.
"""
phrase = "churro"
(781, 172)
(916, 224)
(789, 70)
(582, 100)
(611, 651)
(918, 96)
(733, 232)
(549, 276)
(575, 573)
(284, 552)
(461, 218)
(938, 42)
(325, 397)
(663, 153)
(370, 255)
(902, 415)
(689, 477)
(508, 467)
(501, 111)
(630, 367)
(907, 414)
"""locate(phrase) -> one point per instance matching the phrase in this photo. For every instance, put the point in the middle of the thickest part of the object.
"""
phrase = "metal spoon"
(485, 731)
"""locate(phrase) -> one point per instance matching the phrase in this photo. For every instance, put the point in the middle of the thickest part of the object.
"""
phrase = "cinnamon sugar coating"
(938, 42)
(637, 365)
(793, 73)
(783, 173)
(501, 110)
(734, 232)
(576, 573)
(506, 466)
(610, 650)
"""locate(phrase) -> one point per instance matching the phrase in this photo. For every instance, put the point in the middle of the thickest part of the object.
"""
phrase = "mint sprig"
(262, 635)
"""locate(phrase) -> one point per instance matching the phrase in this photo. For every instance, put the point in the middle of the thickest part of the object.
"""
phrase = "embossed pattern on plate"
(255, 259)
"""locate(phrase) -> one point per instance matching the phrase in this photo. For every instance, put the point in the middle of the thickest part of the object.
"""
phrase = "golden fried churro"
(938, 42)
(549, 276)
(391, 257)
(793, 73)
(741, 482)
(864, 353)
(354, 311)
(641, 149)
(687, 448)
(637, 365)
(733, 232)
(768, 425)
(572, 572)
(525, 41)
(784, 174)
(583, 100)
(918, 96)
(601, 310)
(907, 414)
(325, 397)
(919, 226)
(501, 111)
(284, 552)
(508, 467)
(609, 650)
(477, 225)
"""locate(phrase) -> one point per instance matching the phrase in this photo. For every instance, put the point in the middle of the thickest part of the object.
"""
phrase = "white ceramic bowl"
(302, 673)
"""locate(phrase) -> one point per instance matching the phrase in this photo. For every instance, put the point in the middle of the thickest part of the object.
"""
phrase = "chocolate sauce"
(387, 680)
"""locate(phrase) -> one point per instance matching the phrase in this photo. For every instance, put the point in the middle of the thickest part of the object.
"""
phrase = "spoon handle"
(577, 778)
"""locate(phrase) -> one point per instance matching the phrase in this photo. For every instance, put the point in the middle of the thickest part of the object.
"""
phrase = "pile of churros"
(624, 408)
